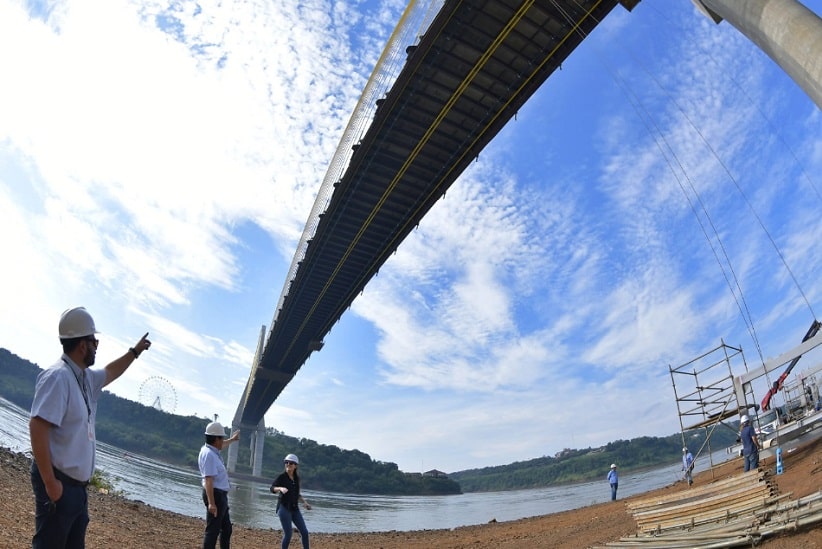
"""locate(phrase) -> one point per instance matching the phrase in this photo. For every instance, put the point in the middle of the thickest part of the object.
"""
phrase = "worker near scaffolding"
(750, 444)
(688, 465)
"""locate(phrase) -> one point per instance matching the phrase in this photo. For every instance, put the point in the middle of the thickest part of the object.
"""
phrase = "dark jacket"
(292, 497)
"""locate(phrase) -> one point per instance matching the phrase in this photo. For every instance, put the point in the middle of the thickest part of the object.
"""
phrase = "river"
(175, 489)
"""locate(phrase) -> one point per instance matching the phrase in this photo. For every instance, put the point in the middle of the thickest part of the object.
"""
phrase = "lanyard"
(82, 387)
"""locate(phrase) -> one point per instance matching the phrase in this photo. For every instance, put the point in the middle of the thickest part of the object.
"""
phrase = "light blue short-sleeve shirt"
(211, 465)
(59, 399)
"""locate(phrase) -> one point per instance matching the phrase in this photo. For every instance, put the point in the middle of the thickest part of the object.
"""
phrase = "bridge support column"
(255, 434)
(256, 443)
(257, 446)
(233, 450)
(786, 30)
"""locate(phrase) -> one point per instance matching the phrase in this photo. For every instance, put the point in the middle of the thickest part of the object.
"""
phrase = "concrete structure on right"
(786, 30)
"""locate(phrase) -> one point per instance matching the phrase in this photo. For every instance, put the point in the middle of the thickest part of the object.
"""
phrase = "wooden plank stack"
(723, 500)
(737, 511)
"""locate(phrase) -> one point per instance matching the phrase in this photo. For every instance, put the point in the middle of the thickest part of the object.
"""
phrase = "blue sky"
(158, 162)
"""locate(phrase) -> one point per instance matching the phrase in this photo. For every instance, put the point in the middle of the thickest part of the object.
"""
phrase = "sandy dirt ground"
(119, 522)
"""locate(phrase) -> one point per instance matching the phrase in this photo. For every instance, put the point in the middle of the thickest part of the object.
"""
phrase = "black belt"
(62, 477)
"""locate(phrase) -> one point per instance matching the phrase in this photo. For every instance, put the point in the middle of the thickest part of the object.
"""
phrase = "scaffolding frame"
(704, 392)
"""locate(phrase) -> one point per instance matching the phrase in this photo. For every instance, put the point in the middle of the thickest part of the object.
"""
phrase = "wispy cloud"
(159, 169)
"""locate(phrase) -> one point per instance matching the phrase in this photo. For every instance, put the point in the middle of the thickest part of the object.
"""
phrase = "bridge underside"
(472, 70)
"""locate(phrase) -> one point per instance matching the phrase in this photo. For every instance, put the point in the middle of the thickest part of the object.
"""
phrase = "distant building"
(434, 473)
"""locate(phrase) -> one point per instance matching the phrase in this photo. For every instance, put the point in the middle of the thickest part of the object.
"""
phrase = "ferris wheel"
(158, 393)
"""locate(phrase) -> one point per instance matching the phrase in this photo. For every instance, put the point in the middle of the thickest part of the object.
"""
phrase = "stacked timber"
(735, 512)
(718, 501)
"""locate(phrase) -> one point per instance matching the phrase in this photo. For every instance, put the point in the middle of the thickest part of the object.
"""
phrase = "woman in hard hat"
(287, 486)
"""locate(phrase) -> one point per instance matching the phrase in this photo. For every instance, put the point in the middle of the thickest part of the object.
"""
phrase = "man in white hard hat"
(750, 444)
(613, 480)
(688, 465)
(61, 426)
(215, 486)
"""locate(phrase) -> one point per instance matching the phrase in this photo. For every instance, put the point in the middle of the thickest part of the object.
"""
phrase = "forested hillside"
(590, 463)
(177, 439)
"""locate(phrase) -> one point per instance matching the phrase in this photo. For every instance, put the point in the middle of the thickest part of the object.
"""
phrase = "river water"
(175, 489)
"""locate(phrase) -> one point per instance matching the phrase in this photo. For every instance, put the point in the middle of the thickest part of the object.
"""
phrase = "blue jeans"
(751, 460)
(287, 517)
(614, 486)
(62, 523)
(219, 526)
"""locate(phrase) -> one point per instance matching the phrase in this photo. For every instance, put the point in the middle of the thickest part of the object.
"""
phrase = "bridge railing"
(414, 22)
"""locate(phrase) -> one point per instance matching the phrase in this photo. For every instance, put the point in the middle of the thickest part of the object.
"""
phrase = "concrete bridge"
(465, 74)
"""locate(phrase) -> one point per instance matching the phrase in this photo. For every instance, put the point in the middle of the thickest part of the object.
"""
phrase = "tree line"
(175, 439)
(570, 466)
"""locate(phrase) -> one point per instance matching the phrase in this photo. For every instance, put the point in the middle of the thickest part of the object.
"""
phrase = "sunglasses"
(290, 463)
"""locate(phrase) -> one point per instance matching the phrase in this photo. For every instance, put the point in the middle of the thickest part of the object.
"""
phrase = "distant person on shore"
(613, 480)
(215, 486)
(62, 430)
(750, 444)
(287, 486)
(688, 465)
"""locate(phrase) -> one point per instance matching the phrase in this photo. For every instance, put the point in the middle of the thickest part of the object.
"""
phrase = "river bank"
(119, 522)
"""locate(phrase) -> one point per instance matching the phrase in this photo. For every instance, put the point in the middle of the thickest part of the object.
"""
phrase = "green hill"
(588, 464)
(177, 440)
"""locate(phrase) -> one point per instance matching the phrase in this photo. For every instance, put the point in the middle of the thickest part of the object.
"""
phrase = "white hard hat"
(684, 449)
(744, 419)
(76, 322)
(292, 457)
(215, 429)
(613, 466)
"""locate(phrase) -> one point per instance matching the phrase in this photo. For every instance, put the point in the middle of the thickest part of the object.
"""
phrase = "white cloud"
(158, 162)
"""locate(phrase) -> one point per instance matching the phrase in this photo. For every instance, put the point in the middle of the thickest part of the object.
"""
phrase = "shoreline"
(119, 522)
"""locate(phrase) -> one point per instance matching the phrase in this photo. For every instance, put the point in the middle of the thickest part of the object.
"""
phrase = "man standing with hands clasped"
(61, 426)
(215, 486)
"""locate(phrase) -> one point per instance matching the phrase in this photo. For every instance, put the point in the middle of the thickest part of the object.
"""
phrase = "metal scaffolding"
(704, 391)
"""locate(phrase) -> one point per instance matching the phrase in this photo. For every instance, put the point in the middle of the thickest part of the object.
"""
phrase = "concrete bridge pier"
(256, 443)
(255, 433)
(786, 30)
(257, 446)
(233, 450)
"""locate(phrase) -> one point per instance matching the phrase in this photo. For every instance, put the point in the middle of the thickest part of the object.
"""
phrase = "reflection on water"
(175, 489)
(153, 482)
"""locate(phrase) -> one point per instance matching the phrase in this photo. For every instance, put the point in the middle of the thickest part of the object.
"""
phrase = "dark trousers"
(219, 526)
(751, 461)
(61, 524)
(289, 517)
(614, 486)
